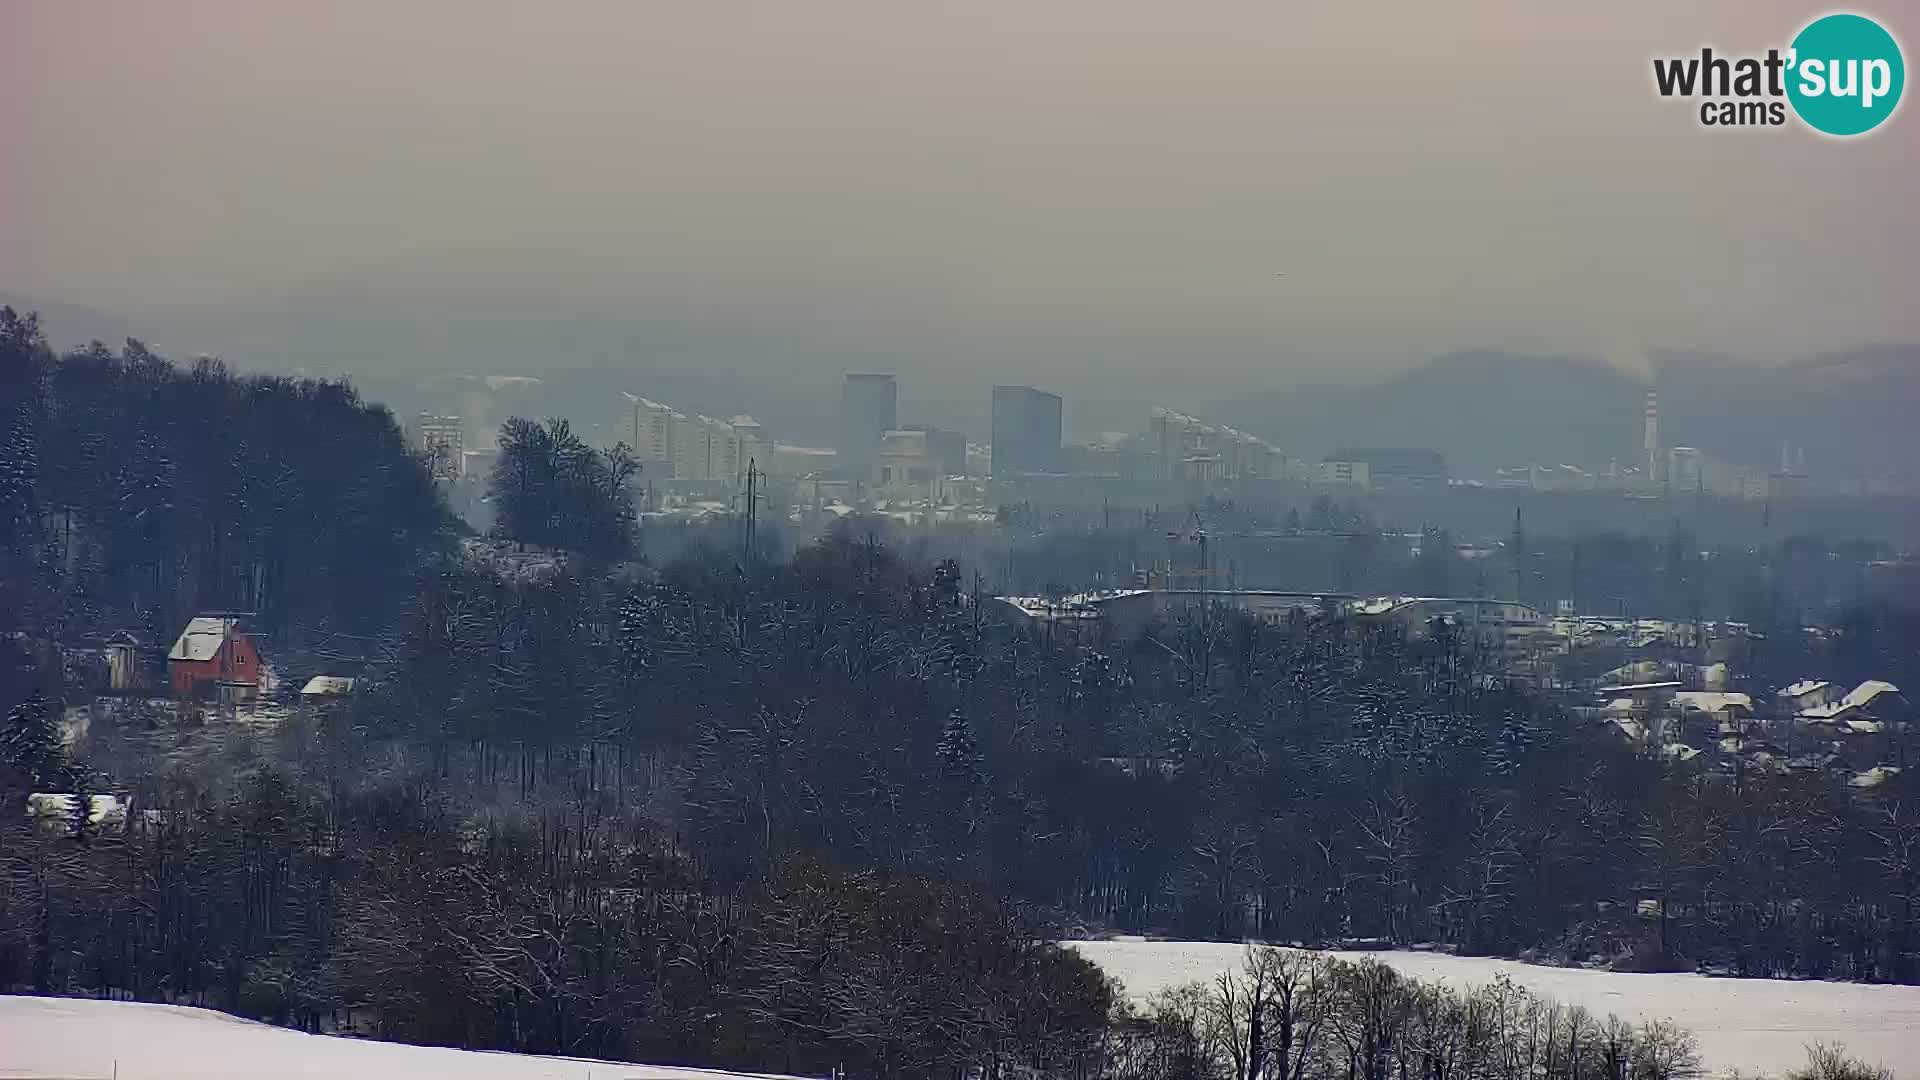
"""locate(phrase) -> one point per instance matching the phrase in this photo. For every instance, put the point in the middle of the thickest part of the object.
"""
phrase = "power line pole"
(748, 537)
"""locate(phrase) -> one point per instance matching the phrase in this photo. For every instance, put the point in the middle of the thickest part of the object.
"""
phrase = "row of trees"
(1667, 571)
(560, 928)
(1291, 1015)
(1294, 1015)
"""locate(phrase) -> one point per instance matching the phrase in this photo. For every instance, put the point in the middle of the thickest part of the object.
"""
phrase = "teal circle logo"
(1845, 74)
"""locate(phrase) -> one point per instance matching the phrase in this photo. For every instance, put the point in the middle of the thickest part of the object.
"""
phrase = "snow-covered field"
(74, 1039)
(1754, 1025)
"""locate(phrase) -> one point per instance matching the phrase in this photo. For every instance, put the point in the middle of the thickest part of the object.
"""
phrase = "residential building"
(1808, 694)
(650, 435)
(673, 445)
(947, 448)
(123, 662)
(751, 448)
(1508, 630)
(438, 439)
(1343, 473)
(58, 812)
(211, 652)
(1125, 613)
(1114, 456)
(477, 465)
(706, 450)
(798, 461)
(1195, 453)
(1397, 469)
(905, 469)
(1874, 699)
(1684, 469)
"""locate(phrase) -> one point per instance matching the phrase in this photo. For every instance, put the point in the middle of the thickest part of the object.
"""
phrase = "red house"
(210, 651)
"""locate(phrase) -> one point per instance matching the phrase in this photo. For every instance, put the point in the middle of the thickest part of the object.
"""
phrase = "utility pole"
(1206, 569)
(1519, 558)
(753, 512)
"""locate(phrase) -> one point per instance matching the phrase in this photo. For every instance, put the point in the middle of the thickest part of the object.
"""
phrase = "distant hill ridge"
(1854, 411)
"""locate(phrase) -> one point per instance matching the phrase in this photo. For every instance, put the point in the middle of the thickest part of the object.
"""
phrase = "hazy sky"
(1027, 180)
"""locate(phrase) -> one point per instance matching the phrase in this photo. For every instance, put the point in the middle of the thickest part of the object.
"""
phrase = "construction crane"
(1195, 534)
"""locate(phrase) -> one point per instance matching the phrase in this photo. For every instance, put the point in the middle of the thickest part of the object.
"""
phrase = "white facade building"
(673, 445)
(1345, 474)
(905, 467)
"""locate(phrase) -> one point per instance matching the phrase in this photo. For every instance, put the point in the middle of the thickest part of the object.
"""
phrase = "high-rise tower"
(1026, 431)
(869, 404)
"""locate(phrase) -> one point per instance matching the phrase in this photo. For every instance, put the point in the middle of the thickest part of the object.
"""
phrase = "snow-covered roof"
(1387, 605)
(1640, 671)
(1075, 605)
(1874, 777)
(1803, 688)
(201, 640)
(327, 685)
(60, 806)
(1857, 698)
(1680, 751)
(1712, 701)
(1377, 605)
(1672, 684)
(1864, 694)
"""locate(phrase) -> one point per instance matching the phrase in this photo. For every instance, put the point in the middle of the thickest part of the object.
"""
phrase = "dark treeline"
(1771, 578)
(551, 489)
(137, 494)
(708, 818)
(1314, 781)
(1290, 1015)
(565, 926)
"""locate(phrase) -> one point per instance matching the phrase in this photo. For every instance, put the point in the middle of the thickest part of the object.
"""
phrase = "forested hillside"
(1486, 409)
(138, 493)
(814, 814)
